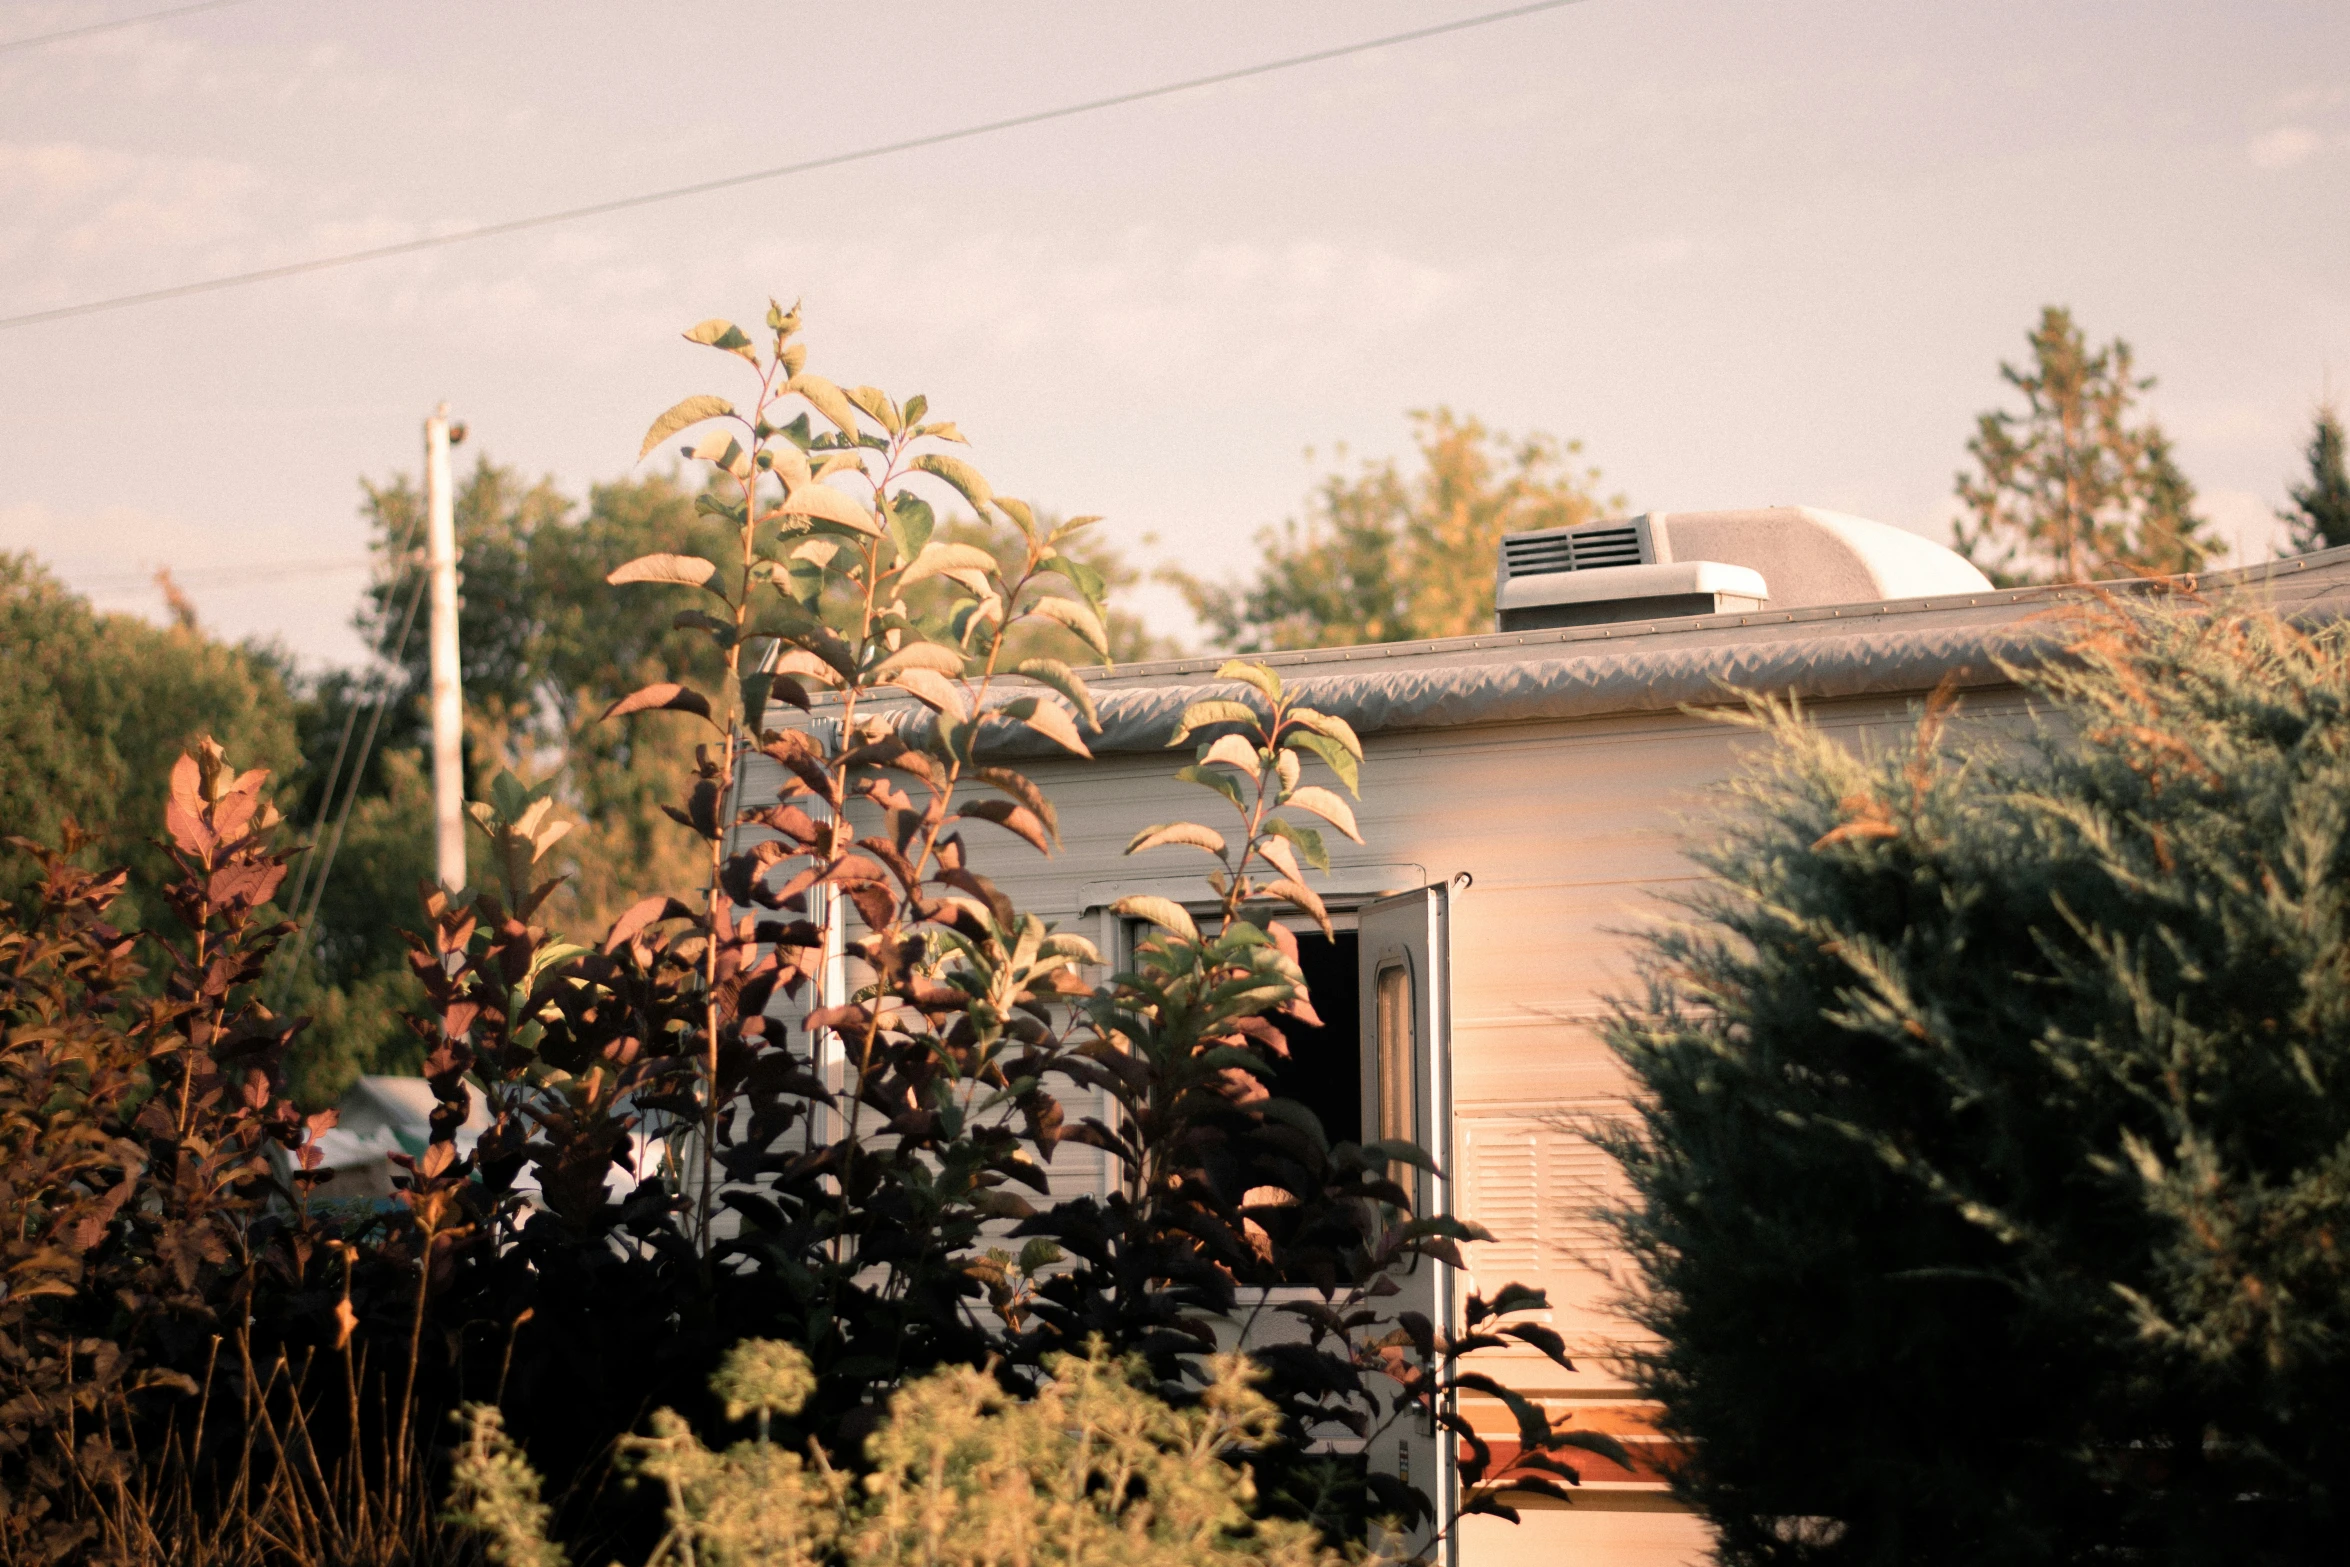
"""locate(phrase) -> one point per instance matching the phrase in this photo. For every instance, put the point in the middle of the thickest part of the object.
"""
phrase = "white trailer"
(1525, 800)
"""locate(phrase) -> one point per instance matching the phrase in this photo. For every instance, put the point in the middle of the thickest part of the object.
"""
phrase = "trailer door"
(1407, 1093)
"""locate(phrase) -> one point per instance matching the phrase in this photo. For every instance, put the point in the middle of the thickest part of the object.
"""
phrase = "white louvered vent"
(1534, 1185)
(1582, 549)
(1505, 1194)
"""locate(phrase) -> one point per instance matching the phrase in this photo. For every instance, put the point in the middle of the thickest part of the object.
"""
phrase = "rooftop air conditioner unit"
(1608, 572)
(1662, 565)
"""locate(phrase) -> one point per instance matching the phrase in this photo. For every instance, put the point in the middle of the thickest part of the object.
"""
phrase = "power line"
(731, 181)
(144, 17)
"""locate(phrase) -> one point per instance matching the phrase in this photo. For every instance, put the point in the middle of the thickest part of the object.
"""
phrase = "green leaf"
(1336, 728)
(1054, 673)
(827, 400)
(1088, 581)
(1072, 526)
(1308, 841)
(966, 479)
(692, 411)
(875, 403)
(1223, 783)
(911, 522)
(1215, 710)
(916, 406)
(720, 333)
(1251, 673)
(782, 320)
(1078, 618)
(1337, 757)
(1022, 516)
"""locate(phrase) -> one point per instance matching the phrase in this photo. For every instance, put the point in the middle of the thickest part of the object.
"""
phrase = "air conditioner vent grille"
(1586, 549)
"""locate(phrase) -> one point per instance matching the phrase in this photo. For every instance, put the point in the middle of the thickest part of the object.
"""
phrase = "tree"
(2075, 487)
(1994, 1140)
(2320, 514)
(97, 706)
(1382, 557)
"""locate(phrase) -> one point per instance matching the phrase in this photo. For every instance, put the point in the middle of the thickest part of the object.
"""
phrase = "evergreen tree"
(1994, 1148)
(2320, 514)
(2077, 487)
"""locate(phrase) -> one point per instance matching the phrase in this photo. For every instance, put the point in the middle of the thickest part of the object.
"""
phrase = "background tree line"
(2079, 483)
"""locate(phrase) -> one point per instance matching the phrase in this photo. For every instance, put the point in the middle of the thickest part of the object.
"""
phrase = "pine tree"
(2076, 487)
(2320, 514)
(1993, 1151)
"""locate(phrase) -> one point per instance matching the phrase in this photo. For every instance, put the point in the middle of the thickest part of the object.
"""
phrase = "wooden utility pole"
(448, 692)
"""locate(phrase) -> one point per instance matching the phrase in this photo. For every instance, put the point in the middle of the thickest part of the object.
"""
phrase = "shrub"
(1092, 1467)
(1994, 1148)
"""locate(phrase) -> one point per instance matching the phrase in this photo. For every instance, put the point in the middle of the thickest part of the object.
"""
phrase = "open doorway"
(1324, 1071)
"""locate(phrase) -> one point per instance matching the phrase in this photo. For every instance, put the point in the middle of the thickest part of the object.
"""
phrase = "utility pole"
(448, 692)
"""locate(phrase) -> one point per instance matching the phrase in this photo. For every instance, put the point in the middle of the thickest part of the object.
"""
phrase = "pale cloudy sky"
(1748, 254)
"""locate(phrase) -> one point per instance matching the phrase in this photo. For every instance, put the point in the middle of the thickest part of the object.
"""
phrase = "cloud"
(2284, 147)
(71, 203)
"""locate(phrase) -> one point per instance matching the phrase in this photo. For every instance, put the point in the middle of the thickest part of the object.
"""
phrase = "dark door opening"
(1324, 1071)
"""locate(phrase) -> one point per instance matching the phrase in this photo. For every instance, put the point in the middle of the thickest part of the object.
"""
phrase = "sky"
(1747, 255)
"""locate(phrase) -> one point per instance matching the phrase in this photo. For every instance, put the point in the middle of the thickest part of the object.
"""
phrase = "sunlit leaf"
(1329, 724)
(1054, 673)
(1236, 752)
(1012, 817)
(966, 479)
(932, 689)
(689, 570)
(877, 406)
(1337, 757)
(1165, 913)
(1189, 834)
(940, 558)
(666, 696)
(691, 411)
(1078, 618)
(1200, 715)
(1053, 722)
(1326, 805)
(921, 655)
(1022, 515)
(827, 400)
(831, 505)
(720, 333)
(1302, 896)
(1251, 673)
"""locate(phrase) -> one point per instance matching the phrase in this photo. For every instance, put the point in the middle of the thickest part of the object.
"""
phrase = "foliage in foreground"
(1995, 1160)
(796, 1103)
(1092, 1467)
